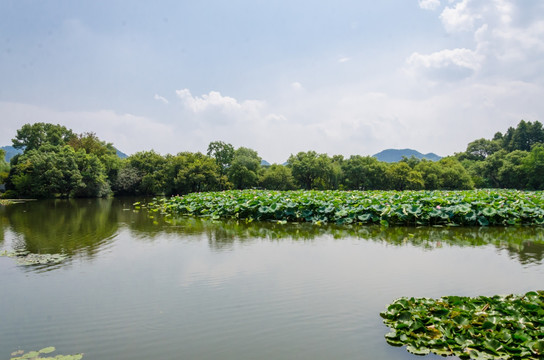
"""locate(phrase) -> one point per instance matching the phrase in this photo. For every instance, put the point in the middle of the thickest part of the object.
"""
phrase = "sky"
(350, 77)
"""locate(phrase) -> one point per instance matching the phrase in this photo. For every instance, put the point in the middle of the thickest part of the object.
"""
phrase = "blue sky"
(343, 77)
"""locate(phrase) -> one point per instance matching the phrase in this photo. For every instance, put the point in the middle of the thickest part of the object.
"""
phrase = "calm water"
(138, 288)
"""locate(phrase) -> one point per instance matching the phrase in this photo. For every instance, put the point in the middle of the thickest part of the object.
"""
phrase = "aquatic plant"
(31, 355)
(23, 257)
(497, 327)
(467, 208)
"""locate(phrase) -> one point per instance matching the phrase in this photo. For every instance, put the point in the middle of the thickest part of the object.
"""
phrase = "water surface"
(135, 287)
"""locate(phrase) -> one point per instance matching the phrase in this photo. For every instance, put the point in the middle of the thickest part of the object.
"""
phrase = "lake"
(136, 287)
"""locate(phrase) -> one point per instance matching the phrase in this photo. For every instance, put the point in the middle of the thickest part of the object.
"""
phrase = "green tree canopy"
(311, 170)
(223, 154)
(277, 177)
(243, 172)
(32, 136)
(197, 173)
(363, 173)
(49, 171)
(524, 136)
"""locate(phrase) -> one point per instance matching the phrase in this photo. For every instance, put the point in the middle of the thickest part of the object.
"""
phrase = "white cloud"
(161, 99)
(429, 4)
(214, 100)
(344, 59)
(508, 42)
(129, 133)
(460, 17)
(446, 64)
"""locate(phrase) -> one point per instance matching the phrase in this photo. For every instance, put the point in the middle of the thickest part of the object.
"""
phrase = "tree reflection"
(83, 226)
(68, 227)
(526, 244)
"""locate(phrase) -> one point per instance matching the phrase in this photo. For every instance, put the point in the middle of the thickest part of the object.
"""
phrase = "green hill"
(395, 155)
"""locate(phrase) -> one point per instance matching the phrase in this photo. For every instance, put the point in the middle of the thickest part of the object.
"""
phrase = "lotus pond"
(102, 279)
(409, 208)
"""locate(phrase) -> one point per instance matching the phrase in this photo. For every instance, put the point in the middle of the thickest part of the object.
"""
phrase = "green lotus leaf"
(47, 350)
(500, 327)
(538, 347)
(418, 351)
(31, 354)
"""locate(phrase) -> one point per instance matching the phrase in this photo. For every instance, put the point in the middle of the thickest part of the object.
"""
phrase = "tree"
(533, 165)
(93, 176)
(524, 136)
(47, 172)
(475, 170)
(91, 144)
(480, 149)
(513, 174)
(150, 166)
(491, 168)
(244, 169)
(311, 170)
(412, 161)
(223, 154)
(277, 177)
(453, 176)
(197, 173)
(363, 173)
(402, 177)
(32, 136)
(4, 167)
(105, 152)
(127, 181)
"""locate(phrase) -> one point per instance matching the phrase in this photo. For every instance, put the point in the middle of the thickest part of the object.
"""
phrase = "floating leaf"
(389, 208)
(500, 327)
(47, 350)
(37, 355)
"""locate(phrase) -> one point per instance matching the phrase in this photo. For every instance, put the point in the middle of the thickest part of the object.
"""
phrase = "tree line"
(56, 162)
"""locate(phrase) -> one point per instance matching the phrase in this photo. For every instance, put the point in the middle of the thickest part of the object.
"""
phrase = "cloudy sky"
(338, 77)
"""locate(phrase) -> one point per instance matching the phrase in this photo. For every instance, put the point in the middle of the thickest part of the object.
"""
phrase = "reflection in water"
(526, 244)
(62, 226)
(3, 224)
(84, 226)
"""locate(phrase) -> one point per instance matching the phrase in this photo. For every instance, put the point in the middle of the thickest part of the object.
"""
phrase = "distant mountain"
(121, 154)
(265, 163)
(11, 152)
(395, 155)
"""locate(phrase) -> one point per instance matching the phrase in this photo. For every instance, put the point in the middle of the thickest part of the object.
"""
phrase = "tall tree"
(197, 173)
(277, 177)
(363, 173)
(223, 154)
(48, 172)
(480, 149)
(243, 172)
(533, 165)
(32, 136)
(311, 170)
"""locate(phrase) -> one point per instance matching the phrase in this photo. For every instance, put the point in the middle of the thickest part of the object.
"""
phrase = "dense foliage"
(513, 160)
(498, 327)
(57, 162)
(468, 208)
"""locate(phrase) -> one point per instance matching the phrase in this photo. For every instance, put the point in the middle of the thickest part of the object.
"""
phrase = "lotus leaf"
(431, 208)
(20, 355)
(498, 327)
(23, 257)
